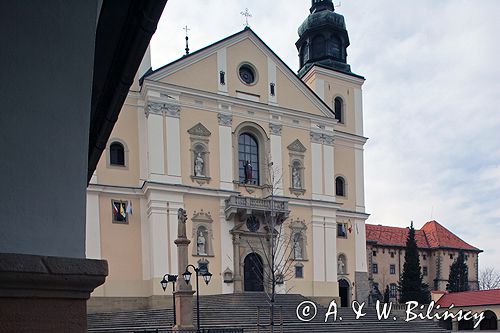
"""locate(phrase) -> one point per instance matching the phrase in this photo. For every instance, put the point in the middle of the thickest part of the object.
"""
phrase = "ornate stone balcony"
(236, 204)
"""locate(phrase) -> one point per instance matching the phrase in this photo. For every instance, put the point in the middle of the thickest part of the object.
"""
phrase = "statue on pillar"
(181, 223)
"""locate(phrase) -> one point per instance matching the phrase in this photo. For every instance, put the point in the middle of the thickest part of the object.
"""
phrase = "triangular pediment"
(200, 71)
(297, 146)
(199, 130)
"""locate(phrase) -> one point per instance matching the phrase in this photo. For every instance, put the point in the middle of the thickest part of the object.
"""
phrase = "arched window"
(248, 159)
(116, 154)
(340, 186)
(338, 108)
(318, 47)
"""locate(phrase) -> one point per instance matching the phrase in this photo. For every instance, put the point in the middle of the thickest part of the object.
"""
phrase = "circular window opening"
(247, 74)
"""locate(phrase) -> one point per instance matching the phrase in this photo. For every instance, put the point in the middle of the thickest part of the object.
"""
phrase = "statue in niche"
(248, 171)
(340, 265)
(201, 242)
(198, 165)
(297, 248)
(181, 223)
(296, 178)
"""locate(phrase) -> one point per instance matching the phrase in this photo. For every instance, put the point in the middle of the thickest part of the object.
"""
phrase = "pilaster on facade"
(322, 151)
(225, 151)
(276, 158)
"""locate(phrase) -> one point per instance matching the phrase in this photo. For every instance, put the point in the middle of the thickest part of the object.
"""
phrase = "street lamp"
(206, 277)
(164, 282)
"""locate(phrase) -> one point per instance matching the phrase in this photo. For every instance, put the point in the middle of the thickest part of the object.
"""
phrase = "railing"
(203, 330)
(235, 202)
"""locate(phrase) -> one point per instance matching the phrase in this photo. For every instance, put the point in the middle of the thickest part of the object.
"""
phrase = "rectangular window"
(222, 77)
(392, 254)
(451, 256)
(271, 86)
(374, 268)
(392, 269)
(341, 230)
(424, 257)
(119, 210)
(393, 290)
(424, 271)
(374, 253)
(299, 272)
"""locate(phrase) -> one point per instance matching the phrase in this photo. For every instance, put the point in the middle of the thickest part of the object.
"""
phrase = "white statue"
(201, 242)
(340, 266)
(296, 178)
(297, 247)
(198, 165)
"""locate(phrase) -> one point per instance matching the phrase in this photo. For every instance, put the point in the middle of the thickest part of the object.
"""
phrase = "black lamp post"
(164, 282)
(206, 277)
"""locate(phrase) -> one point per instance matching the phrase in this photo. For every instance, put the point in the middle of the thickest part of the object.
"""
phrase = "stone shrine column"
(276, 157)
(184, 292)
(226, 151)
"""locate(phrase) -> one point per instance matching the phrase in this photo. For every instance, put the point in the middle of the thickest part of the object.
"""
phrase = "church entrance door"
(254, 272)
(344, 292)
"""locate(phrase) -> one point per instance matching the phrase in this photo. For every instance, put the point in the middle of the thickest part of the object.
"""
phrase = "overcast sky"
(430, 100)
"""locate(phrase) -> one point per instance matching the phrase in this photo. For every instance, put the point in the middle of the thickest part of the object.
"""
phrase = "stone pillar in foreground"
(47, 294)
(184, 292)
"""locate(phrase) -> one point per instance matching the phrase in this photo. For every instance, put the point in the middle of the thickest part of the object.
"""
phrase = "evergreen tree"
(459, 275)
(411, 286)
(386, 294)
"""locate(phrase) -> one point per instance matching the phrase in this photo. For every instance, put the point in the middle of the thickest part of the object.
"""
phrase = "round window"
(247, 74)
(252, 223)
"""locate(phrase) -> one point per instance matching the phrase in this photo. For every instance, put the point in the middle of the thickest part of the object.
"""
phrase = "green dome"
(324, 18)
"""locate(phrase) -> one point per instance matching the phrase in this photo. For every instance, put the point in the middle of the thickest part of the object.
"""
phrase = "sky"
(430, 99)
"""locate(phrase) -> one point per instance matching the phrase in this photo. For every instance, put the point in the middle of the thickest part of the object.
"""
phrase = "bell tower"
(323, 39)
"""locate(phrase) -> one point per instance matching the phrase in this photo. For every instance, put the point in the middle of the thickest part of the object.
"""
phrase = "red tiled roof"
(471, 298)
(432, 235)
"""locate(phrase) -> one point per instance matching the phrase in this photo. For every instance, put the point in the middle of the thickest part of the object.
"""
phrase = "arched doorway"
(490, 322)
(344, 292)
(254, 273)
(466, 325)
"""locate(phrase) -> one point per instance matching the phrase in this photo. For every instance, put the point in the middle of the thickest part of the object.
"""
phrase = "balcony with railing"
(237, 204)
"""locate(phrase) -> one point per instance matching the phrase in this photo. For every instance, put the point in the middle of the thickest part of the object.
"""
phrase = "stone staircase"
(240, 311)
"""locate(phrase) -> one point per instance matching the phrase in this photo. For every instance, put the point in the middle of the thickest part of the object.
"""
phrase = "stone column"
(238, 279)
(184, 292)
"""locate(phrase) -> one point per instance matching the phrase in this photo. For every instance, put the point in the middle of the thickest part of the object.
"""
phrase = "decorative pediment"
(297, 146)
(202, 217)
(199, 130)
(298, 224)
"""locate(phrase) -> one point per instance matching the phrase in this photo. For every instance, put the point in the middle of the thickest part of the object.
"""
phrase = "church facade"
(233, 136)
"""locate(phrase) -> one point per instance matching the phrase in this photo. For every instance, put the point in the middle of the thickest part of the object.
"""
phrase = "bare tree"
(489, 278)
(278, 246)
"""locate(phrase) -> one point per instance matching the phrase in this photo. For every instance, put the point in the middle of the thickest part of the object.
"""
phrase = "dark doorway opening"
(344, 292)
(490, 322)
(254, 273)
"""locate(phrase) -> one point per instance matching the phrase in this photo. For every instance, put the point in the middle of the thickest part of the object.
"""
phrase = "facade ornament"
(275, 128)
(199, 130)
(297, 146)
(316, 137)
(173, 110)
(340, 265)
(198, 165)
(181, 223)
(225, 119)
(296, 178)
(201, 243)
(328, 139)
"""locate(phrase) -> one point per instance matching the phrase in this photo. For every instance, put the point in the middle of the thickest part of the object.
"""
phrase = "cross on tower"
(247, 14)
(187, 38)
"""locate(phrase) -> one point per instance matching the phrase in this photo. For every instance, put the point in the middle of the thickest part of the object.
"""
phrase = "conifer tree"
(459, 275)
(411, 286)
